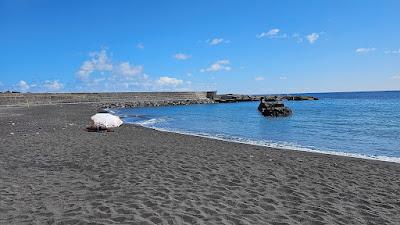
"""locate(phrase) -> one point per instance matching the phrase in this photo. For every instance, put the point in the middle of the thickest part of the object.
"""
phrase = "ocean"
(356, 124)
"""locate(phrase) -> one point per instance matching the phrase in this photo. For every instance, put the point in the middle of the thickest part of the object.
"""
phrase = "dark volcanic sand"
(54, 172)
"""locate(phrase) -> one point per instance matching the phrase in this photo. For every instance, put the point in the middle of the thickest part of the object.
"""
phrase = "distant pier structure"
(118, 99)
(211, 94)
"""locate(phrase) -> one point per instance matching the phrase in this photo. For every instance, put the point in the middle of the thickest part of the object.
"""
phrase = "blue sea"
(356, 124)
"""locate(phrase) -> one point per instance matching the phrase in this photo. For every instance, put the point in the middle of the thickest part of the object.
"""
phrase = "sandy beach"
(52, 171)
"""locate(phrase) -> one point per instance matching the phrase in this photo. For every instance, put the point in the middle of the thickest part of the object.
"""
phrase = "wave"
(276, 145)
(148, 123)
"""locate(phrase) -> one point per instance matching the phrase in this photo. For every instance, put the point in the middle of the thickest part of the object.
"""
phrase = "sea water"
(358, 124)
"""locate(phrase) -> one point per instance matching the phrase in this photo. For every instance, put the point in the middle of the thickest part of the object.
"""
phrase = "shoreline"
(262, 143)
(277, 146)
(53, 171)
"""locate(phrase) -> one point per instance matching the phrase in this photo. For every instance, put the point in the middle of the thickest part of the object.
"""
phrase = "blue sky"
(229, 46)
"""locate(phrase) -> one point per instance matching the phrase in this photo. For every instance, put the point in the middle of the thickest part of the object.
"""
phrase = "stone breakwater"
(107, 100)
(134, 99)
(155, 103)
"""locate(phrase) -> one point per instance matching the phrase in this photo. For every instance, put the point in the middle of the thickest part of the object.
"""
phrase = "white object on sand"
(106, 120)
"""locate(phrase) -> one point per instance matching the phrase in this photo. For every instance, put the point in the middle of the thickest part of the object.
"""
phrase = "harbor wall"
(117, 99)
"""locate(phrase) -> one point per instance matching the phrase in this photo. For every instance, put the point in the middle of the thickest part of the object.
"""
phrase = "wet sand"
(54, 172)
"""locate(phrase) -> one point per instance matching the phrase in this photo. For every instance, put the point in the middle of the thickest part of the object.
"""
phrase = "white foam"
(284, 146)
(148, 123)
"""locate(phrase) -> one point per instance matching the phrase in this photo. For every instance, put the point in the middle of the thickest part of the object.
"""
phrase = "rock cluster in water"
(273, 108)
(232, 98)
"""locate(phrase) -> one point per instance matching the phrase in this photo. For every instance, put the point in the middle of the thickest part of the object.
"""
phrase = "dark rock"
(102, 110)
(273, 108)
(231, 98)
(299, 98)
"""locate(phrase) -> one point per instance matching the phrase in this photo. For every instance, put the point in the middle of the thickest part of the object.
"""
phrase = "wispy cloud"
(169, 81)
(283, 78)
(259, 78)
(101, 73)
(277, 33)
(54, 85)
(181, 56)
(23, 86)
(395, 51)
(395, 77)
(99, 61)
(140, 46)
(126, 69)
(312, 38)
(217, 41)
(273, 33)
(220, 65)
(46, 86)
(364, 50)
(297, 37)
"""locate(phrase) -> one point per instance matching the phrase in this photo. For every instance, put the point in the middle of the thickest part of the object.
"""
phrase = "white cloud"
(396, 51)
(259, 78)
(121, 76)
(181, 56)
(140, 46)
(273, 33)
(313, 37)
(364, 50)
(396, 77)
(101, 73)
(217, 41)
(220, 65)
(1, 86)
(46, 86)
(53, 85)
(99, 61)
(169, 81)
(126, 69)
(297, 37)
(23, 85)
(86, 69)
(283, 78)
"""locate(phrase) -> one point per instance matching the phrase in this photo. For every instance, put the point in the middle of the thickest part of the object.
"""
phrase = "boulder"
(273, 108)
(299, 98)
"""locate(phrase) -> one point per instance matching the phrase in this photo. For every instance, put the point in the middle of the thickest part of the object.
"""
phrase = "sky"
(241, 46)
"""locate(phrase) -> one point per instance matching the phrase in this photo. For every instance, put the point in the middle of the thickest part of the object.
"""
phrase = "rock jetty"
(134, 99)
(232, 98)
(269, 107)
(154, 103)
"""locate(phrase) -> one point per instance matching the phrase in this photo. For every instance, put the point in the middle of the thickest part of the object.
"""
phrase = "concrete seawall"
(122, 99)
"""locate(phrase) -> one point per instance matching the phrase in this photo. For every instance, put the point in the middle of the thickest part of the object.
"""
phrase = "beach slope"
(54, 172)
